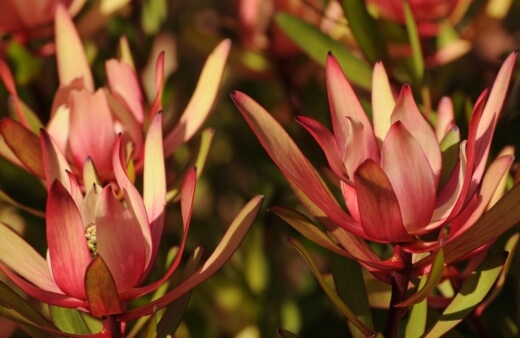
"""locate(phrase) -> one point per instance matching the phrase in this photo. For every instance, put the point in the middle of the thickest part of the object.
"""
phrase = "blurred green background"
(266, 285)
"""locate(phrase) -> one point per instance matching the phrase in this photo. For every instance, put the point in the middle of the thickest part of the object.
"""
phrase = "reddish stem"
(400, 281)
(112, 327)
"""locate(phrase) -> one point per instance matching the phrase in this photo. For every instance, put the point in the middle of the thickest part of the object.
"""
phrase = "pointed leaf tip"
(70, 54)
(202, 100)
(292, 162)
(222, 253)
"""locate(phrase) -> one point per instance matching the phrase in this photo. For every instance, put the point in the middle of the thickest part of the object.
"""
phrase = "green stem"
(400, 281)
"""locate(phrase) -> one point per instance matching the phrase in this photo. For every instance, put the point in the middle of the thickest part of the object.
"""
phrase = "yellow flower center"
(90, 235)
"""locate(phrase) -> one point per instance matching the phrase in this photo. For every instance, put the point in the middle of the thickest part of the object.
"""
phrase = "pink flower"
(400, 178)
(26, 16)
(258, 31)
(103, 245)
(85, 121)
(428, 14)
(81, 227)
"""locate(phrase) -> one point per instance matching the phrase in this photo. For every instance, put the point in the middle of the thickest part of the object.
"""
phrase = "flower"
(101, 247)
(80, 228)
(427, 13)
(27, 16)
(118, 108)
(258, 32)
(399, 177)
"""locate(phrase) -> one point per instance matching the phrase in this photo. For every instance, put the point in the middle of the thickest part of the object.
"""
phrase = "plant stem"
(112, 326)
(400, 281)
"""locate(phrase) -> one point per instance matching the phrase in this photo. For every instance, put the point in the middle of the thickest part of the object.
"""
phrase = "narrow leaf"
(158, 293)
(222, 253)
(200, 152)
(30, 118)
(316, 44)
(300, 173)
(511, 247)
(333, 296)
(348, 278)
(151, 331)
(416, 324)
(202, 99)
(22, 307)
(450, 154)
(415, 43)
(308, 229)
(492, 224)
(29, 319)
(433, 279)
(25, 144)
(9, 200)
(70, 54)
(175, 310)
(25, 325)
(69, 320)
(365, 30)
(473, 291)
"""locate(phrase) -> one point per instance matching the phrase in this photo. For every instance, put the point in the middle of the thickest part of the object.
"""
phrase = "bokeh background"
(266, 285)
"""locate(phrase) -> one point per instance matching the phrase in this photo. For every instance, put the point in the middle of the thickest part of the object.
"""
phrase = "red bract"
(84, 121)
(397, 181)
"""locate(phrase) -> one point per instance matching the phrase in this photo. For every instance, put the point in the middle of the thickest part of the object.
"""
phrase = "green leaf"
(93, 324)
(450, 154)
(69, 320)
(199, 154)
(433, 279)
(24, 324)
(151, 331)
(222, 253)
(8, 199)
(415, 43)
(358, 248)
(472, 292)
(365, 30)
(27, 67)
(511, 247)
(416, 324)
(379, 293)
(307, 228)
(101, 289)
(28, 115)
(333, 296)
(251, 59)
(256, 269)
(348, 278)
(175, 310)
(161, 290)
(316, 44)
(153, 15)
(17, 309)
